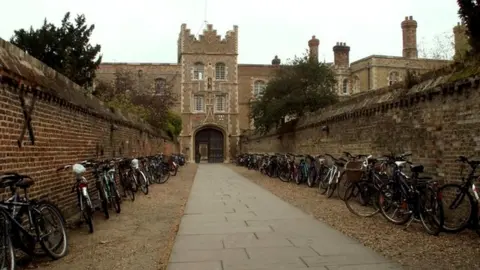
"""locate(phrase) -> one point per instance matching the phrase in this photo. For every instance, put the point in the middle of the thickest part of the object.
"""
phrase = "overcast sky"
(147, 30)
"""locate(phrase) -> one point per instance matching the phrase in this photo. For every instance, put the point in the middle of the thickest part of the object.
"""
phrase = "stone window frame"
(220, 71)
(196, 105)
(198, 73)
(258, 92)
(389, 78)
(345, 86)
(160, 86)
(223, 99)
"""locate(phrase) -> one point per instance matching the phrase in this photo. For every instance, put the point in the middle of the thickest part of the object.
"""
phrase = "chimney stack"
(341, 55)
(313, 45)
(409, 30)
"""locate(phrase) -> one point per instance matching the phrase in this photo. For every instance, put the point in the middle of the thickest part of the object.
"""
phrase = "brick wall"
(68, 125)
(437, 121)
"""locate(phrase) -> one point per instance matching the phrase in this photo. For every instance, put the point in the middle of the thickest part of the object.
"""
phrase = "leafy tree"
(142, 97)
(66, 48)
(441, 47)
(297, 88)
(469, 12)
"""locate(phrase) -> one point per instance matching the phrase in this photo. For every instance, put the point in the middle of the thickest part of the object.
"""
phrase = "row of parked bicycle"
(382, 185)
(29, 224)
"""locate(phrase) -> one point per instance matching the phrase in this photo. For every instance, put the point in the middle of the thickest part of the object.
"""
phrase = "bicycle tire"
(312, 174)
(164, 175)
(9, 254)
(102, 193)
(331, 189)
(323, 182)
(88, 213)
(438, 220)
(466, 223)
(115, 199)
(381, 200)
(174, 171)
(64, 242)
(349, 194)
(143, 183)
(284, 174)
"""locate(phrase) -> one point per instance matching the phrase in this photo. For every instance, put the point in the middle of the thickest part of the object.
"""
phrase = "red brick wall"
(68, 127)
(437, 121)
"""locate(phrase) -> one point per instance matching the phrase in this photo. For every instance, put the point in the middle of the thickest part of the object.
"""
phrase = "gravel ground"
(413, 248)
(140, 237)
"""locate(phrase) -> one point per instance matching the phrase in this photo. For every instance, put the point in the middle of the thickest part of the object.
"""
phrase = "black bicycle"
(30, 222)
(464, 206)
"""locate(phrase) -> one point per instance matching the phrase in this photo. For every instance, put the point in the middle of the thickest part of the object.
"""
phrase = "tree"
(144, 97)
(441, 47)
(469, 12)
(66, 48)
(297, 88)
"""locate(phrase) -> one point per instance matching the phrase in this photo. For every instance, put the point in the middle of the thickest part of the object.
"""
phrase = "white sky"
(147, 30)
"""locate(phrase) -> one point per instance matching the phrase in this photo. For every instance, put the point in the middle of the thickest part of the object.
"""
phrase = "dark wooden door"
(215, 144)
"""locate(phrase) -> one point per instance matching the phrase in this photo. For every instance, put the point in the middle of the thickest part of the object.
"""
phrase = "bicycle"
(142, 179)
(104, 172)
(329, 182)
(81, 188)
(17, 209)
(467, 193)
(414, 197)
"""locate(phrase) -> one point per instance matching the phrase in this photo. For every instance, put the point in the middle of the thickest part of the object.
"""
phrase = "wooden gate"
(214, 141)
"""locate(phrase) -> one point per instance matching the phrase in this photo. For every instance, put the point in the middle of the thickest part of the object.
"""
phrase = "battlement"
(209, 42)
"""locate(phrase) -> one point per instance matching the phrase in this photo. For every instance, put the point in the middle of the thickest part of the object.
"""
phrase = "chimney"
(276, 61)
(409, 30)
(341, 55)
(313, 45)
(461, 40)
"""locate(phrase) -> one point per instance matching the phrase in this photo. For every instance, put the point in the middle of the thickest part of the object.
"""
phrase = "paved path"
(231, 223)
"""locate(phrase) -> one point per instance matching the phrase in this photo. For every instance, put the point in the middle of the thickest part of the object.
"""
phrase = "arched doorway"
(210, 143)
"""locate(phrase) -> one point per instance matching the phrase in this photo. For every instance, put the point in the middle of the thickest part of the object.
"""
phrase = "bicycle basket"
(354, 171)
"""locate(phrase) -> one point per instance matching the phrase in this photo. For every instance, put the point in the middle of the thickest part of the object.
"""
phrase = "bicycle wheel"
(46, 227)
(284, 174)
(115, 198)
(88, 212)
(312, 174)
(143, 182)
(394, 199)
(342, 186)
(102, 195)
(323, 181)
(458, 205)
(163, 174)
(431, 211)
(173, 170)
(7, 256)
(363, 194)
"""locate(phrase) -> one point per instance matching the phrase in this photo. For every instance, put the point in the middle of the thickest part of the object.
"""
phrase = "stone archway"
(210, 144)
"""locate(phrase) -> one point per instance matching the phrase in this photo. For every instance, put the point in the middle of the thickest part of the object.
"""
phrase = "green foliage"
(469, 12)
(173, 124)
(65, 49)
(299, 87)
(129, 94)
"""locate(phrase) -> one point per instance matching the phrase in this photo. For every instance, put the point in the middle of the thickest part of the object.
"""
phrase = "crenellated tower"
(209, 89)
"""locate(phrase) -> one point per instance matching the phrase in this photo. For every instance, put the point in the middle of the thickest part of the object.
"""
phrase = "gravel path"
(140, 237)
(412, 248)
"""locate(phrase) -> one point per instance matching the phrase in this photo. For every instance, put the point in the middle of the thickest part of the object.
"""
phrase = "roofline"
(398, 57)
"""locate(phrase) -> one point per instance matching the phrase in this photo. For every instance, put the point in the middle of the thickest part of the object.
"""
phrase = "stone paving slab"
(231, 223)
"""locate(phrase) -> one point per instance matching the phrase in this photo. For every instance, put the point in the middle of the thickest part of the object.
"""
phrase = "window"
(345, 86)
(393, 78)
(198, 103)
(198, 69)
(220, 71)
(160, 85)
(220, 103)
(258, 88)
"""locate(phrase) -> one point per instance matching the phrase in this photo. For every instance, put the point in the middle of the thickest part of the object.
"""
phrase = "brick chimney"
(341, 54)
(409, 30)
(313, 45)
